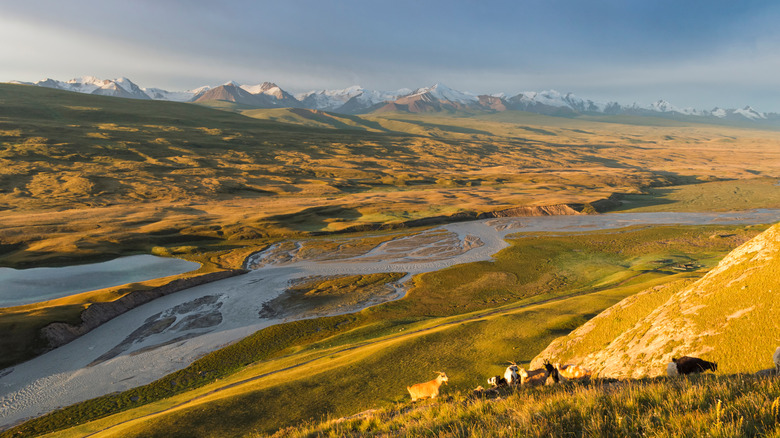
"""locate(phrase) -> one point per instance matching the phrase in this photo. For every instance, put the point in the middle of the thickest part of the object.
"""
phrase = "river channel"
(27, 286)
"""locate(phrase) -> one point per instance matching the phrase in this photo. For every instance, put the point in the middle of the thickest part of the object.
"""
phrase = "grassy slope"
(406, 340)
(730, 406)
(730, 316)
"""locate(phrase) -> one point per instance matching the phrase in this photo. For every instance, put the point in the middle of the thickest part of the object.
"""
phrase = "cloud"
(614, 50)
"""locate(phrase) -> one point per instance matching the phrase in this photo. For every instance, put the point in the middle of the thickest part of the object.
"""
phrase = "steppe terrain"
(88, 178)
(91, 177)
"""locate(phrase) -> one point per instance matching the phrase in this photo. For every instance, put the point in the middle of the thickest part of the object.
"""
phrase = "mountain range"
(358, 100)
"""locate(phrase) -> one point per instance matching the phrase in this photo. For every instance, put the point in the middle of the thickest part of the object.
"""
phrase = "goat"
(497, 381)
(510, 374)
(571, 371)
(428, 389)
(532, 378)
(552, 374)
(687, 365)
(776, 359)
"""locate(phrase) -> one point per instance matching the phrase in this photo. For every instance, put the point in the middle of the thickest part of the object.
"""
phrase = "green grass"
(22, 340)
(467, 320)
(709, 196)
(722, 406)
(319, 296)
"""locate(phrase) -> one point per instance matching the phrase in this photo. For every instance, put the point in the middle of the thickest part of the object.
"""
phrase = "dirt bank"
(59, 333)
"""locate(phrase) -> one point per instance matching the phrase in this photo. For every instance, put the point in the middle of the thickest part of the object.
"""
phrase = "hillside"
(730, 316)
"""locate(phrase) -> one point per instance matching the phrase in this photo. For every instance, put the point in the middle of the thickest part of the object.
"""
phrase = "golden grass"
(225, 176)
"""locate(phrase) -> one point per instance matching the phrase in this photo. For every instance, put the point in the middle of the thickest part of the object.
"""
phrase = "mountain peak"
(442, 92)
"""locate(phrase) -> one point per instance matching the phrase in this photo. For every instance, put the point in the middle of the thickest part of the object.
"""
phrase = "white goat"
(497, 381)
(776, 358)
(510, 374)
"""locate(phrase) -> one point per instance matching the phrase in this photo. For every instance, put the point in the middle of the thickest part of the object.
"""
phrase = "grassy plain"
(89, 177)
(467, 320)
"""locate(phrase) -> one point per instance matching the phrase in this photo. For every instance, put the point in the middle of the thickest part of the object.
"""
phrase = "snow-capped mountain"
(553, 102)
(431, 99)
(281, 97)
(329, 100)
(358, 100)
(233, 92)
(351, 100)
(176, 96)
(444, 93)
(750, 113)
(121, 87)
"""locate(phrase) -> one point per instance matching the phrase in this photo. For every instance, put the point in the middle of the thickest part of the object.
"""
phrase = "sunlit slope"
(730, 316)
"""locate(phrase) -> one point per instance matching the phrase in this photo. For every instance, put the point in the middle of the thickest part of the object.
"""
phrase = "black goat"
(552, 374)
(687, 365)
(497, 381)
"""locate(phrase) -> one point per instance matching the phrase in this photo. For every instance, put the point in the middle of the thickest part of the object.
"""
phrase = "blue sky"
(691, 53)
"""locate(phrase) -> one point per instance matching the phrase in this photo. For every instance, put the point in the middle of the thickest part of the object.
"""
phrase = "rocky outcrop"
(543, 210)
(59, 333)
(598, 206)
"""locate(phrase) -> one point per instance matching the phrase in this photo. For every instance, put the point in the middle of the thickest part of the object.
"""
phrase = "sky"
(691, 53)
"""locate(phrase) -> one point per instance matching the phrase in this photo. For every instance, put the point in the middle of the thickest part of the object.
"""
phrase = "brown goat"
(532, 378)
(572, 372)
(429, 389)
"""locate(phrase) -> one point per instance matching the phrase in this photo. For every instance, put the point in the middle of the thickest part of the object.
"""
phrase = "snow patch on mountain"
(442, 92)
(175, 96)
(268, 88)
(331, 100)
(750, 113)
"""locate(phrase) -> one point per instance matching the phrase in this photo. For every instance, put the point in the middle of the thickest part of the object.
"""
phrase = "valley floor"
(168, 334)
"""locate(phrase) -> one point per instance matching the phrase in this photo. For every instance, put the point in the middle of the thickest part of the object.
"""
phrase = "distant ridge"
(436, 98)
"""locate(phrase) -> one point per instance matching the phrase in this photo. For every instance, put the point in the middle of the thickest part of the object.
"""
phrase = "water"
(27, 286)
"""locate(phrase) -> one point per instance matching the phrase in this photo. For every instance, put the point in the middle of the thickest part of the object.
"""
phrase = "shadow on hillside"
(315, 218)
(446, 128)
(333, 120)
(537, 130)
